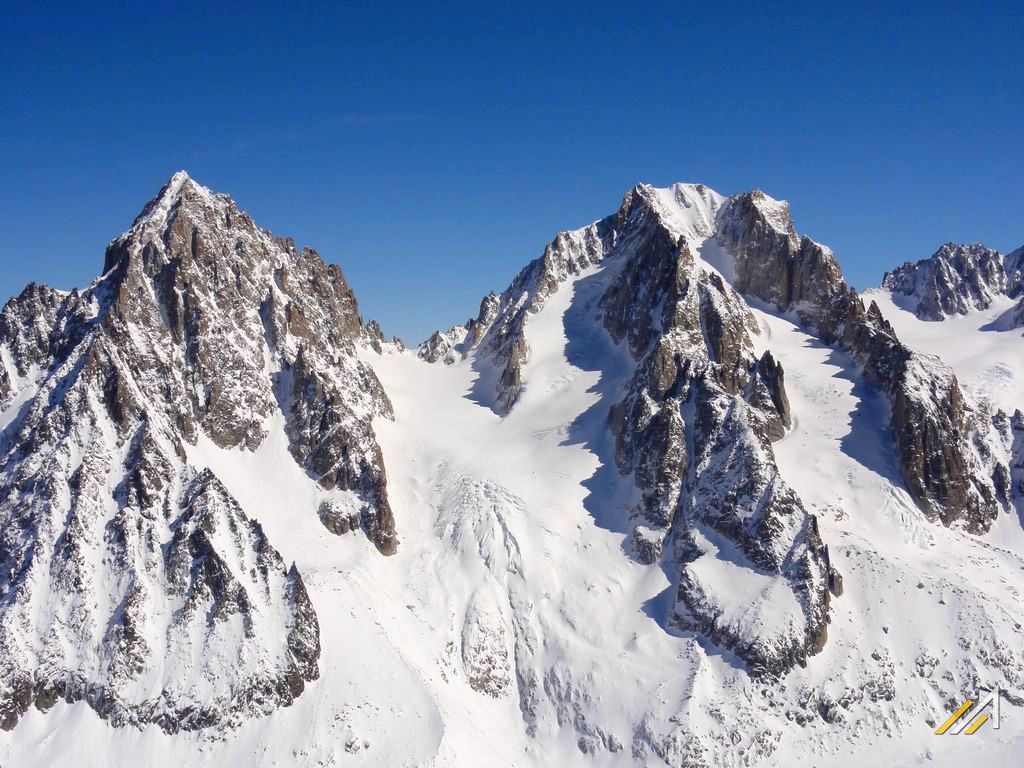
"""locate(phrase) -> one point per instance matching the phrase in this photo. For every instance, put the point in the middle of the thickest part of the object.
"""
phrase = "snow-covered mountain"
(132, 579)
(677, 496)
(957, 279)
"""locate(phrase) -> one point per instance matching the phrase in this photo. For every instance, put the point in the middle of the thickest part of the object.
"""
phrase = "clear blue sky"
(433, 150)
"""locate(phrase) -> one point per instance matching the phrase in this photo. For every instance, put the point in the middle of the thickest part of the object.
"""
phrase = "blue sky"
(433, 150)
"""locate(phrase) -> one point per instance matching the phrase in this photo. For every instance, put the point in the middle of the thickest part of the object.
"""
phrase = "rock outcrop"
(1016, 439)
(1017, 316)
(953, 281)
(941, 436)
(694, 430)
(118, 557)
(1013, 265)
(446, 346)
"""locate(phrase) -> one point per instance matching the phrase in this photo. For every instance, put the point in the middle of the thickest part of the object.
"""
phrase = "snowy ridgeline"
(666, 500)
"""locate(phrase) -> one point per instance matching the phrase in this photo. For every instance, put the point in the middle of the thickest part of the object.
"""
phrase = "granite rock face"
(117, 555)
(694, 430)
(1017, 454)
(941, 436)
(1017, 316)
(1014, 264)
(955, 280)
(260, 327)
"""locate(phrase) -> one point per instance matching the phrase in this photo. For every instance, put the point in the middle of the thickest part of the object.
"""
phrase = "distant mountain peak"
(957, 278)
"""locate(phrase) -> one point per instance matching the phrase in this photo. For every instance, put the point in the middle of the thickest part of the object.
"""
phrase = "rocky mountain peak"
(749, 240)
(683, 208)
(698, 415)
(203, 329)
(954, 280)
(755, 209)
(187, 221)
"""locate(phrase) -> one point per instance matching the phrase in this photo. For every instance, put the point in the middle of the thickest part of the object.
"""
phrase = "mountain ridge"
(956, 279)
(753, 239)
(678, 458)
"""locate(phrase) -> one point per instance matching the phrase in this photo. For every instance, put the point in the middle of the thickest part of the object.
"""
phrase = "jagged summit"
(170, 192)
(678, 460)
(775, 212)
(954, 280)
(749, 241)
(181, 195)
(205, 334)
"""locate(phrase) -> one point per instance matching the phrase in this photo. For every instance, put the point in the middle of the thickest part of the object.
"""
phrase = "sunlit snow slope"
(514, 627)
(986, 353)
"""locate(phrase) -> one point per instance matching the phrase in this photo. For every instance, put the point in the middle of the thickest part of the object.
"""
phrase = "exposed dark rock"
(1013, 265)
(769, 389)
(835, 583)
(1017, 458)
(694, 431)
(1017, 318)
(938, 434)
(337, 519)
(446, 346)
(202, 327)
(955, 280)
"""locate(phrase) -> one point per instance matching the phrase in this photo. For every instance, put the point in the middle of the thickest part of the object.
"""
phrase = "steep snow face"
(645, 589)
(693, 427)
(129, 580)
(985, 351)
(687, 210)
(953, 281)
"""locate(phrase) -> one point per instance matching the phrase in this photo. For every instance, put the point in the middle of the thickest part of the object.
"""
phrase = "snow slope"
(513, 628)
(921, 603)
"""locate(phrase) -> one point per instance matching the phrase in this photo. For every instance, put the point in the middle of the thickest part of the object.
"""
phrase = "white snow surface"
(986, 355)
(512, 567)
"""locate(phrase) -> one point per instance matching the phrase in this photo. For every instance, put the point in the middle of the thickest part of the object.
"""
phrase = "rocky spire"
(1013, 265)
(202, 327)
